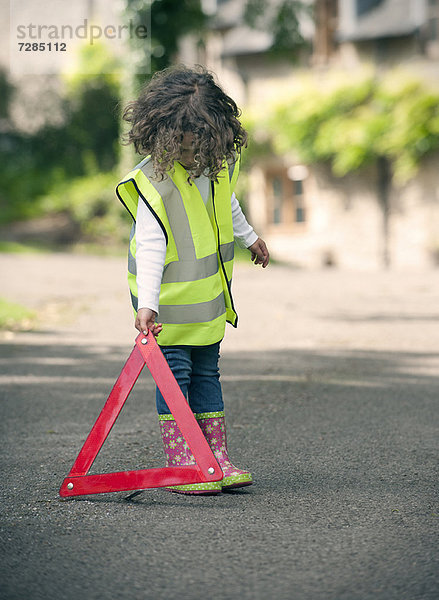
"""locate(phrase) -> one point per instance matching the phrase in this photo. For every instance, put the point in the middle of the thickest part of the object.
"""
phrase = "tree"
(83, 143)
(282, 18)
(168, 21)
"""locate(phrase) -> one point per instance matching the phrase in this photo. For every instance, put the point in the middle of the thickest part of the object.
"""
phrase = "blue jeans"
(196, 370)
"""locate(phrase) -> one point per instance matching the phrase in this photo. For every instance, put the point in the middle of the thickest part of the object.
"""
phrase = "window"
(299, 201)
(364, 6)
(285, 199)
(277, 195)
(432, 30)
(298, 187)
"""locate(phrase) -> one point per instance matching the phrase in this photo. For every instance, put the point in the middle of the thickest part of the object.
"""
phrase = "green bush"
(92, 204)
(15, 317)
(84, 141)
(350, 124)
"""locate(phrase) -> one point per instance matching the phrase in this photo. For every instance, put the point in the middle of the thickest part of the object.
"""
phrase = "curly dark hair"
(181, 100)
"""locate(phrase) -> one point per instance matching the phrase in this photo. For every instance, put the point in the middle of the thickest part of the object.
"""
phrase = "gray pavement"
(331, 389)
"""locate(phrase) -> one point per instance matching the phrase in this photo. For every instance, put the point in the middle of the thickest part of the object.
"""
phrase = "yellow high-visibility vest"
(195, 296)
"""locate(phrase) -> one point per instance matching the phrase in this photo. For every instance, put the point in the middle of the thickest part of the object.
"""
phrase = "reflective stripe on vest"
(195, 298)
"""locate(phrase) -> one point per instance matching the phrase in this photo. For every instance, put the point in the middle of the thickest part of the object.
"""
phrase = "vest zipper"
(212, 185)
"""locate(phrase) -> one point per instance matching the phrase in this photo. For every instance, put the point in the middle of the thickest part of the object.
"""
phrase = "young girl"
(186, 218)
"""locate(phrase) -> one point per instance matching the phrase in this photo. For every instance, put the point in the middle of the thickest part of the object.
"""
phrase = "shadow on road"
(343, 446)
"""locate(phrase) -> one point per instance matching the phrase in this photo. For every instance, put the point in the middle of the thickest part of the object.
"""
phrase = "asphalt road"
(331, 389)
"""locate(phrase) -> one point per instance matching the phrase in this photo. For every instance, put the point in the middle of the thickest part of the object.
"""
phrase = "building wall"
(344, 224)
(414, 219)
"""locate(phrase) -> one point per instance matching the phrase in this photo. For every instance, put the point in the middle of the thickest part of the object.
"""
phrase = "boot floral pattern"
(178, 454)
(213, 427)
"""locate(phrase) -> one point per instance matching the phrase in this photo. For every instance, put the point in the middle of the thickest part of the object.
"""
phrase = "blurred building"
(307, 216)
(38, 90)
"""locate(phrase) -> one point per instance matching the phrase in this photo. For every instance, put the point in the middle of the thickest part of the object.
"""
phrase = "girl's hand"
(145, 321)
(260, 254)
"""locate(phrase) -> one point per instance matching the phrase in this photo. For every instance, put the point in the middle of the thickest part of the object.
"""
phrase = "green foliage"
(282, 19)
(90, 61)
(286, 29)
(25, 248)
(22, 179)
(6, 92)
(414, 128)
(86, 141)
(254, 12)
(15, 317)
(92, 204)
(351, 124)
(259, 142)
(92, 110)
(170, 19)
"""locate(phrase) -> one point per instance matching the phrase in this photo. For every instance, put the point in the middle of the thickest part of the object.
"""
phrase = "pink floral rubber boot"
(177, 453)
(213, 426)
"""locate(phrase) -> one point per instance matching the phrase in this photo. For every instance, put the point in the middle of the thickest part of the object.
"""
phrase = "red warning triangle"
(79, 483)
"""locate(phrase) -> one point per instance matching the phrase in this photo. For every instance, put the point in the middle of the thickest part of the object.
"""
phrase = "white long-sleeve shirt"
(151, 246)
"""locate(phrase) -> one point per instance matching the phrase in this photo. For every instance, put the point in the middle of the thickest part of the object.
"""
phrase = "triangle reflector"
(79, 483)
